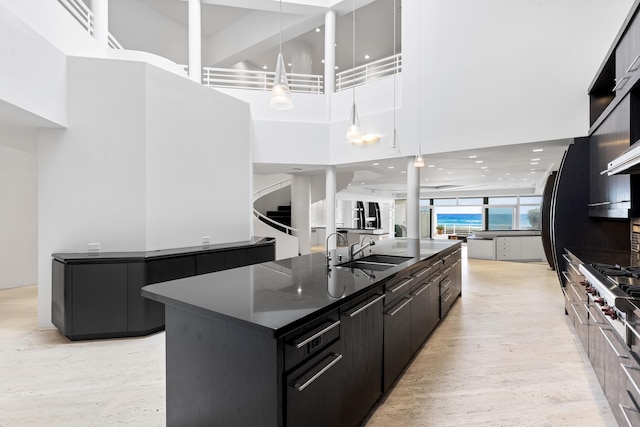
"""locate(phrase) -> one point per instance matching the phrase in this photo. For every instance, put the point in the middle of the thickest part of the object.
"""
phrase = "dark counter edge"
(106, 257)
(277, 333)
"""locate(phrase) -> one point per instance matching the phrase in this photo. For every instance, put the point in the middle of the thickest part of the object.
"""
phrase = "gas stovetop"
(627, 278)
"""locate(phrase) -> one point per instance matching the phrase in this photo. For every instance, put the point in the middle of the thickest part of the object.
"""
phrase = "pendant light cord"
(353, 50)
(280, 28)
(396, 70)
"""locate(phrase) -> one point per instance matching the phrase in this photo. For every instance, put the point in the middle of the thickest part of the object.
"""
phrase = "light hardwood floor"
(504, 356)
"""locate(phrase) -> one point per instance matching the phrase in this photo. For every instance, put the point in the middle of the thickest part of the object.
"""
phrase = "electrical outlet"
(206, 240)
(93, 247)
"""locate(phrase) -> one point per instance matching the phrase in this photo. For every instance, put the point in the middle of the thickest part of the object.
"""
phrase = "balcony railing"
(259, 80)
(368, 72)
(84, 16)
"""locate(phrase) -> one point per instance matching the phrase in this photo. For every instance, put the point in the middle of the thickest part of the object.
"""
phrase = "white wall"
(149, 161)
(18, 207)
(140, 27)
(33, 71)
(199, 175)
(498, 72)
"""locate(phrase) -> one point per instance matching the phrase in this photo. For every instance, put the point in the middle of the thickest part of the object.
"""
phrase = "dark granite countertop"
(276, 297)
(164, 253)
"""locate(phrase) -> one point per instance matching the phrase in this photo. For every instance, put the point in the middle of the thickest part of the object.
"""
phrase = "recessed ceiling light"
(376, 164)
(426, 179)
(362, 183)
(537, 150)
(507, 173)
(449, 173)
(440, 169)
(289, 64)
(535, 160)
(473, 157)
(403, 172)
(534, 163)
(336, 67)
(335, 45)
(264, 67)
(479, 161)
(317, 30)
(431, 166)
(483, 167)
(499, 179)
(322, 61)
(367, 57)
(389, 167)
(481, 176)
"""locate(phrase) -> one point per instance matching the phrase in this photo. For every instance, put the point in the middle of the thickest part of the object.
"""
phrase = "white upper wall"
(496, 72)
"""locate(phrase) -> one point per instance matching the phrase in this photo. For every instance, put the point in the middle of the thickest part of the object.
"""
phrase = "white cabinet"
(519, 248)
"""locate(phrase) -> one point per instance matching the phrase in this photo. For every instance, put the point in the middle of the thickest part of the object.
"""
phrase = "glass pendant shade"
(280, 94)
(419, 161)
(394, 146)
(354, 134)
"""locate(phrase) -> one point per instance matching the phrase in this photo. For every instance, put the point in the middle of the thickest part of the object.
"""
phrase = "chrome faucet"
(344, 239)
(353, 253)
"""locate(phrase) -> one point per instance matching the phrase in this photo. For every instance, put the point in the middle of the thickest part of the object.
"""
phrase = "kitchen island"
(298, 342)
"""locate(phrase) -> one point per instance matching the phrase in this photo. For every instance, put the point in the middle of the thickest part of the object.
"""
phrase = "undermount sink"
(384, 259)
(375, 262)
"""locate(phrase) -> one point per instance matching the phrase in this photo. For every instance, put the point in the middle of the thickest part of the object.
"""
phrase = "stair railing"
(263, 192)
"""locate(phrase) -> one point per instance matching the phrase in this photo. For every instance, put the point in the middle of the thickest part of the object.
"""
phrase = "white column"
(100, 10)
(329, 58)
(413, 200)
(195, 41)
(330, 206)
(300, 211)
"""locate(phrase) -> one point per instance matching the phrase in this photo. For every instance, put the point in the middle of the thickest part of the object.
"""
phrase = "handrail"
(367, 72)
(289, 230)
(84, 16)
(279, 184)
(259, 80)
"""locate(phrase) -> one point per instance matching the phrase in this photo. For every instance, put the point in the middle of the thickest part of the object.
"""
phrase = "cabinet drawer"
(310, 340)
(397, 287)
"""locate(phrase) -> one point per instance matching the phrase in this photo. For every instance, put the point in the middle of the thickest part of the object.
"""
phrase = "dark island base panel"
(262, 346)
(98, 297)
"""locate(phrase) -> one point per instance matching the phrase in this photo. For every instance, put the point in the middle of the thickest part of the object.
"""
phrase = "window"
(500, 218)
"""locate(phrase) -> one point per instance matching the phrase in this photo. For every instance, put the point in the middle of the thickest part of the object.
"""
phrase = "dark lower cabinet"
(397, 339)
(106, 286)
(99, 296)
(596, 340)
(314, 395)
(362, 326)
(424, 312)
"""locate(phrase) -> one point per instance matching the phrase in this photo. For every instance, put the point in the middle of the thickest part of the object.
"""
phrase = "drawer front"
(309, 340)
(397, 287)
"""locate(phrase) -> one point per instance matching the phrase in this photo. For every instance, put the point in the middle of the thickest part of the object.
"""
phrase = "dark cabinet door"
(178, 267)
(260, 254)
(143, 314)
(597, 341)
(313, 391)
(99, 299)
(208, 263)
(609, 196)
(235, 258)
(363, 327)
(424, 313)
(397, 339)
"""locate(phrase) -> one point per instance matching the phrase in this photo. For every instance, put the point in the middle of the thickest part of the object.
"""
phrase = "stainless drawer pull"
(634, 65)
(336, 359)
(566, 257)
(566, 277)
(444, 273)
(447, 257)
(626, 368)
(446, 284)
(593, 316)
(421, 290)
(369, 304)
(436, 279)
(576, 270)
(448, 294)
(316, 335)
(577, 315)
(620, 84)
(394, 312)
(423, 272)
(612, 346)
(631, 328)
(624, 414)
(401, 285)
(580, 297)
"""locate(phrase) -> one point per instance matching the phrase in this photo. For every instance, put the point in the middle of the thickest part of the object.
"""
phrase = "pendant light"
(280, 94)
(354, 134)
(394, 146)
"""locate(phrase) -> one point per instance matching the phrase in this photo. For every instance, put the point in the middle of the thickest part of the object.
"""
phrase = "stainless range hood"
(627, 162)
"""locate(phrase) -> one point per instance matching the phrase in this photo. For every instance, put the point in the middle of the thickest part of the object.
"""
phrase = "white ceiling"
(508, 168)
